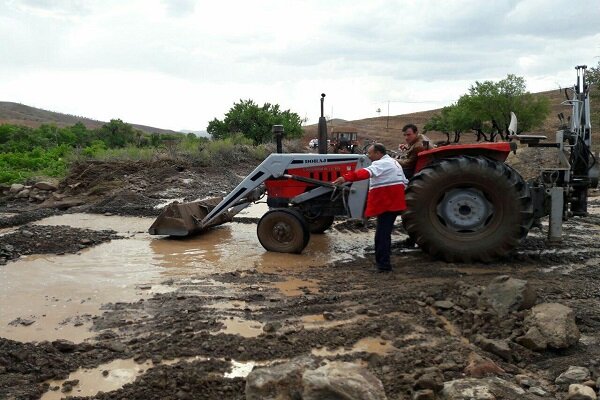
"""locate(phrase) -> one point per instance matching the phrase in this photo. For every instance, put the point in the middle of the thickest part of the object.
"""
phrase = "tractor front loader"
(464, 203)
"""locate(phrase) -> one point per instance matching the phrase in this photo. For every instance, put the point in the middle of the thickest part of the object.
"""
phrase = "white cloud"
(180, 63)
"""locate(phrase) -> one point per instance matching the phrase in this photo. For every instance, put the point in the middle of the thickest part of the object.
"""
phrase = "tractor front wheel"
(283, 231)
(468, 209)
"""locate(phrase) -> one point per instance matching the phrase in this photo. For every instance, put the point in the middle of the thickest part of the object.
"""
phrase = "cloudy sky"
(178, 64)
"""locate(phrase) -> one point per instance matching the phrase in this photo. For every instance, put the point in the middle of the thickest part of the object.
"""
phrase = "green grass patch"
(22, 166)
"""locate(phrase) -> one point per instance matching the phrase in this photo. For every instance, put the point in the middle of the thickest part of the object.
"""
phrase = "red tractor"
(464, 202)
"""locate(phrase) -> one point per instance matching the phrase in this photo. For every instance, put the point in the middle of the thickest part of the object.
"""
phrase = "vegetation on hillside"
(48, 151)
(486, 109)
(255, 122)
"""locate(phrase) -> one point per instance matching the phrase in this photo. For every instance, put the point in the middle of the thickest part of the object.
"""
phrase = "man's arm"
(410, 160)
(353, 176)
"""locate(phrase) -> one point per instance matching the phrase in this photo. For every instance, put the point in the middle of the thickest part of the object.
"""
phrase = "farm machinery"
(464, 202)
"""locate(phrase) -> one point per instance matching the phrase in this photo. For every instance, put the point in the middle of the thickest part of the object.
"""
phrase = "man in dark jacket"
(415, 143)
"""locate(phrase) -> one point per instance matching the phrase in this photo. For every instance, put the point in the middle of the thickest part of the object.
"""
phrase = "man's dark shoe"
(384, 270)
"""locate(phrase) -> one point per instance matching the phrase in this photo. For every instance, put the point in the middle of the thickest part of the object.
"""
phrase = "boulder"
(482, 389)
(430, 380)
(23, 194)
(278, 382)
(505, 294)
(45, 186)
(533, 340)
(478, 367)
(497, 347)
(573, 375)
(64, 346)
(443, 304)
(555, 323)
(16, 188)
(341, 380)
(581, 392)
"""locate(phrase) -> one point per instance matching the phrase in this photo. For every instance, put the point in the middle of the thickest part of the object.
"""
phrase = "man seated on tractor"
(385, 199)
(415, 143)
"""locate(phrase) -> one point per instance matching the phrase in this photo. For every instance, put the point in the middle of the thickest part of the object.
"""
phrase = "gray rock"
(533, 340)
(505, 294)
(497, 347)
(556, 323)
(16, 188)
(45, 186)
(430, 380)
(27, 234)
(581, 392)
(525, 380)
(278, 382)
(482, 389)
(443, 304)
(23, 194)
(537, 391)
(64, 346)
(573, 375)
(341, 380)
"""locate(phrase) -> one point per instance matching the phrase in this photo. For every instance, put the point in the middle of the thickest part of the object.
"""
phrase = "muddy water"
(239, 326)
(375, 345)
(92, 381)
(296, 287)
(61, 294)
(115, 374)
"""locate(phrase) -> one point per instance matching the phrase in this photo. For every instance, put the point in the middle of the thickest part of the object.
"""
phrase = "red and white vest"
(386, 185)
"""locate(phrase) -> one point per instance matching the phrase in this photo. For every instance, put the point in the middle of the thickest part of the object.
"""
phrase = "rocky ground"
(428, 330)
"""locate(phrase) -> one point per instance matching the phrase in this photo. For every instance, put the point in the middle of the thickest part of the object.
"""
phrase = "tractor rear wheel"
(468, 209)
(283, 231)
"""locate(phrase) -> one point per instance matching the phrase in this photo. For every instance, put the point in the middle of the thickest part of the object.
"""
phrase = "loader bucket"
(184, 219)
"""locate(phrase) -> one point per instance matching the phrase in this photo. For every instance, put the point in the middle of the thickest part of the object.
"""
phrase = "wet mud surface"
(33, 239)
(185, 327)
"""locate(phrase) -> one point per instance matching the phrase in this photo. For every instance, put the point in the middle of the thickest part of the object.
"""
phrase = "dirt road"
(143, 318)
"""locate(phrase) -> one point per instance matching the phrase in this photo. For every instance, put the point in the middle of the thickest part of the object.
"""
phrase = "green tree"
(486, 109)
(255, 122)
(117, 133)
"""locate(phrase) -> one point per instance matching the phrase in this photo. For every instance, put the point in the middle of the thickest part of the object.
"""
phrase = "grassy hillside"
(20, 114)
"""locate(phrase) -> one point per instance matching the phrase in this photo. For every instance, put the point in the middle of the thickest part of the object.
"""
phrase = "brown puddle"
(122, 372)
(375, 345)
(296, 287)
(239, 326)
(91, 381)
(60, 294)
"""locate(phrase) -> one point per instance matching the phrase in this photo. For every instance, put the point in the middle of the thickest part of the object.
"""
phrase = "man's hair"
(380, 148)
(410, 126)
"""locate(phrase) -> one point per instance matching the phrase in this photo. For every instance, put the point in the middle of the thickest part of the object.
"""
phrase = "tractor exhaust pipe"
(322, 128)
(278, 133)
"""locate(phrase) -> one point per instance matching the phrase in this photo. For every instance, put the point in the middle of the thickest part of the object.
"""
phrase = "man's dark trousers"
(383, 239)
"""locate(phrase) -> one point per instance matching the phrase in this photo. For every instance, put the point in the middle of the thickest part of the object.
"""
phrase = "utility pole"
(387, 125)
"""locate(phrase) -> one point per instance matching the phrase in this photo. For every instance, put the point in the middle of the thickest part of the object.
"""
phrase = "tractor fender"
(494, 151)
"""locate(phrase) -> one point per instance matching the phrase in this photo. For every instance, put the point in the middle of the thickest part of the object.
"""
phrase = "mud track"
(189, 339)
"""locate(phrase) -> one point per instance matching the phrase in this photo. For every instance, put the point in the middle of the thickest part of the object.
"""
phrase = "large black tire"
(283, 231)
(319, 224)
(467, 209)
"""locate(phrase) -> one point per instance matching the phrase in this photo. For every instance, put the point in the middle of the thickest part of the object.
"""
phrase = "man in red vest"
(385, 199)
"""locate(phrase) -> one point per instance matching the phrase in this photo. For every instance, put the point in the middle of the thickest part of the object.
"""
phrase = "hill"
(20, 114)
(390, 132)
